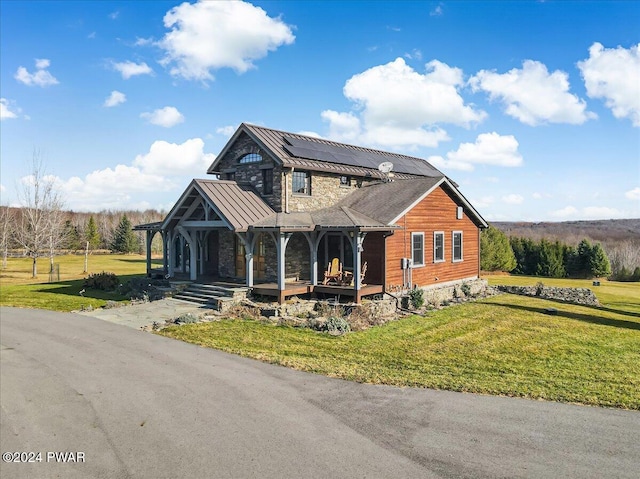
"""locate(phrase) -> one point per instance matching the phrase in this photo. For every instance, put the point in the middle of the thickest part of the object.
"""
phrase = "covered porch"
(220, 230)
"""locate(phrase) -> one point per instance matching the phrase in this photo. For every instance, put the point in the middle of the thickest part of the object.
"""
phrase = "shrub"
(103, 281)
(539, 288)
(186, 318)
(337, 325)
(416, 296)
(466, 289)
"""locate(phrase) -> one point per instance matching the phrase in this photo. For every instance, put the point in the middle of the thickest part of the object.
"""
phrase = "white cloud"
(536, 196)
(589, 212)
(533, 95)
(173, 159)
(129, 69)
(115, 99)
(6, 110)
(436, 12)
(118, 187)
(342, 126)
(41, 77)
(614, 75)
(394, 105)
(168, 116)
(226, 130)
(566, 212)
(208, 35)
(513, 199)
(633, 194)
(483, 201)
(488, 149)
(143, 42)
(601, 212)
(114, 15)
(110, 188)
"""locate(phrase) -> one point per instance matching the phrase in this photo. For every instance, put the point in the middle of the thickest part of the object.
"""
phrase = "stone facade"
(326, 191)
(251, 173)
(582, 296)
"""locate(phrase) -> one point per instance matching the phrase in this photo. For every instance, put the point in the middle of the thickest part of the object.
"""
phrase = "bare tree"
(7, 227)
(40, 228)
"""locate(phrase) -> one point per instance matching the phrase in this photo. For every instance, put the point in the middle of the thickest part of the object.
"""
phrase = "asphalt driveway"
(139, 405)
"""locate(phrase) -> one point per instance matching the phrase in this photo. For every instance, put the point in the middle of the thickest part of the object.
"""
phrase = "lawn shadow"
(617, 323)
(74, 287)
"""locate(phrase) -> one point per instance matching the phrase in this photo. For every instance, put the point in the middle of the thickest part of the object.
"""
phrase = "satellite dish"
(385, 167)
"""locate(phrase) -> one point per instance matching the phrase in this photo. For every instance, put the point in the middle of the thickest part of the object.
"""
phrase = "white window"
(438, 246)
(250, 158)
(456, 246)
(417, 249)
(459, 212)
(301, 183)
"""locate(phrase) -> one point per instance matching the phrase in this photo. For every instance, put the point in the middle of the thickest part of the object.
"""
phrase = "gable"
(217, 203)
(293, 150)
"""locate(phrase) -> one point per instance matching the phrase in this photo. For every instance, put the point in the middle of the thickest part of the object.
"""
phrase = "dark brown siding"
(437, 212)
(373, 254)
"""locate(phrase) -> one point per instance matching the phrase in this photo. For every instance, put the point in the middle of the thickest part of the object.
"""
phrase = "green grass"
(17, 288)
(505, 345)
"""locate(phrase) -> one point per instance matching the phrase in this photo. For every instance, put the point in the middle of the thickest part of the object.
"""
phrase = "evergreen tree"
(495, 251)
(124, 240)
(550, 260)
(71, 236)
(636, 274)
(91, 233)
(599, 265)
(580, 264)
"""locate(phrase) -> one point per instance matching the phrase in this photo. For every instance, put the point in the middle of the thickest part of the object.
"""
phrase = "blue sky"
(533, 108)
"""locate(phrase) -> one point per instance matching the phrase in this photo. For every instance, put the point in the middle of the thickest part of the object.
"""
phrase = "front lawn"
(18, 289)
(504, 345)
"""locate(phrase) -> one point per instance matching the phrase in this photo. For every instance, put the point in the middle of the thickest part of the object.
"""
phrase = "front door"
(259, 266)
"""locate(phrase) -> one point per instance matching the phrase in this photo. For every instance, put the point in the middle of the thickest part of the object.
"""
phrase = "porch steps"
(215, 295)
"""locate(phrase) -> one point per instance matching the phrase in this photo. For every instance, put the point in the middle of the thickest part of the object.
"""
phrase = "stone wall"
(251, 173)
(226, 257)
(582, 296)
(459, 290)
(325, 191)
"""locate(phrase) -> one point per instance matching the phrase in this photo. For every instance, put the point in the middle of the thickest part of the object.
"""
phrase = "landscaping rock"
(581, 296)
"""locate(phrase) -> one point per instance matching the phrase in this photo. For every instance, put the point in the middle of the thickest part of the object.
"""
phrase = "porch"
(304, 287)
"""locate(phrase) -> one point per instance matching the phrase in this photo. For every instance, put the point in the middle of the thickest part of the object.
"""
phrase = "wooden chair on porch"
(347, 279)
(333, 274)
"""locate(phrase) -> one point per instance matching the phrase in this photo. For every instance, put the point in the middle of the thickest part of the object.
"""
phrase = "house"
(280, 206)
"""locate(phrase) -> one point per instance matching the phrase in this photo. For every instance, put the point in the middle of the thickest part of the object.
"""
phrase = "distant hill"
(571, 232)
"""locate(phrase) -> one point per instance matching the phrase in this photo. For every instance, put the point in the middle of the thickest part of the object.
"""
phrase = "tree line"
(526, 256)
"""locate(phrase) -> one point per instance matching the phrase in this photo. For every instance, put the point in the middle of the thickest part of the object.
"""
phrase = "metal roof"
(294, 150)
(238, 205)
(386, 202)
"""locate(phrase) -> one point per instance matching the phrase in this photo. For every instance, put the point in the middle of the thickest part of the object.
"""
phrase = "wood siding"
(436, 212)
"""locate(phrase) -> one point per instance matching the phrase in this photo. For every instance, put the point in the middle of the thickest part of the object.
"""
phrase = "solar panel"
(344, 155)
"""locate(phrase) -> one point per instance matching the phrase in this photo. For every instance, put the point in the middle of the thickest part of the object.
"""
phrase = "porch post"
(165, 253)
(314, 238)
(249, 241)
(149, 240)
(281, 247)
(170, 252)
(356, 246)
(192, 239)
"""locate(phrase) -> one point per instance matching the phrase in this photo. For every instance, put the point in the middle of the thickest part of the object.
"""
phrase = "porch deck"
(303, 287)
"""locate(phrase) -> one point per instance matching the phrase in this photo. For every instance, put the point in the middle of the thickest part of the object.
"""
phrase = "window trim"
(250, 158)
(453, 247)
(307, 183)
(347, 183)
(435, 259)
(413, 262)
